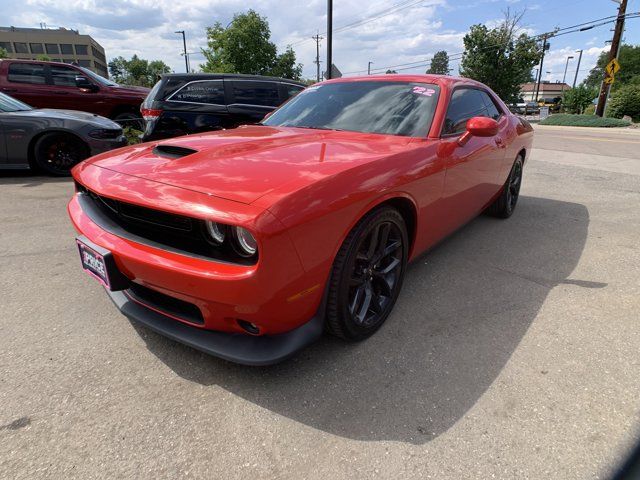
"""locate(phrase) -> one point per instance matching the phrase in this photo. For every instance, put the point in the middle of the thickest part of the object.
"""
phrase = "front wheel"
(505, 204)
(367, 275)
(57, 153)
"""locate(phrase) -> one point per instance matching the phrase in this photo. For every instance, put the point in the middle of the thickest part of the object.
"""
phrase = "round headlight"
(215, 231)
(246, 242)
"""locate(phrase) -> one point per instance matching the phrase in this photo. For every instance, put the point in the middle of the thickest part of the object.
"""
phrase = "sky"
(382, 34)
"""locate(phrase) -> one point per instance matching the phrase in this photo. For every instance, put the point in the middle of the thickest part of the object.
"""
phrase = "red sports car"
(247, 244)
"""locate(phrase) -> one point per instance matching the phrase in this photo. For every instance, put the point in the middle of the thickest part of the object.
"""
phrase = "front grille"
(157, 228)
(165, 304)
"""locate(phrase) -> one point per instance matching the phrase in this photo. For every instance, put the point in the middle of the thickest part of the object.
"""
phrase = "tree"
(43, 58)
(439, 64)
(625, 101)
(3, 53)
(576, 100)
(137, 71)
(629, 73)
(499, 57)
(245, 46)
(389, 72)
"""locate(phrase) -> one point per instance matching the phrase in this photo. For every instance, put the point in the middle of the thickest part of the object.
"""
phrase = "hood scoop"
(172, 151)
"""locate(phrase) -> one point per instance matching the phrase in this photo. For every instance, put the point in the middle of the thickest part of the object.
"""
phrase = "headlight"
(216, 231)
(246, 243)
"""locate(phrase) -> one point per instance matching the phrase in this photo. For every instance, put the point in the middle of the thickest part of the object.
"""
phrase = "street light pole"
(369, 68)
(575, 79)
(564, 77)
(184, 44)
(329, 37)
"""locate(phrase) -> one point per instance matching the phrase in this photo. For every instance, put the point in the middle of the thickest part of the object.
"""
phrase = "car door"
(251, 100)
(66, 95)
(27, 82)
(472, 169)
(3, 143)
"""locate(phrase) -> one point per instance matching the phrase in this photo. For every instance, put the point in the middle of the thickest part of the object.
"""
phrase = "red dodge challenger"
(247, 244)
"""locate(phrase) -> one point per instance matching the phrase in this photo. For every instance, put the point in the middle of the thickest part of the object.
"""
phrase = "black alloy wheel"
(367, 275)
(57, 153)
(505, 204)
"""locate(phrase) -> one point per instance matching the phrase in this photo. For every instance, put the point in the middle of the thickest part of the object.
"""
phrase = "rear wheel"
(57, 153)
(367, 275)
(505, 204)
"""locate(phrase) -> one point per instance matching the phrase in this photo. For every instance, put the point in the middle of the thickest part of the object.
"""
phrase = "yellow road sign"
(612, 67)
(609, 80)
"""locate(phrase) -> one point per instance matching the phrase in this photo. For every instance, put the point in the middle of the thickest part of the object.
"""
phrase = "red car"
(248, 243)
(71, 87)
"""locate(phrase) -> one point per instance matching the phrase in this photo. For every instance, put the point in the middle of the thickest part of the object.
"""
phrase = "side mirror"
(85, 84)
(479, 127)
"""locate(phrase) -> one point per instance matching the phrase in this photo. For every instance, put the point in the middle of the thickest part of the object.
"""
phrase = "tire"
(130, 119)
(366, 278)
(57, 153)
(505, 204)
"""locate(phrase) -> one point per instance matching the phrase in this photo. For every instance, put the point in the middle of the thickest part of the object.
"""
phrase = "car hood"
(249, 162)
(64, 115)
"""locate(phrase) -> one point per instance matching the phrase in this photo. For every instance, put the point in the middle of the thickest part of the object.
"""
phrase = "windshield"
(98, 78)
(392, 108)
(10, 104)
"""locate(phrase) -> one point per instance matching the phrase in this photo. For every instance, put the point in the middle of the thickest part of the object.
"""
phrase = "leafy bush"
(567, 120)
(577, 99)
(133, 135)
(625, 101)
(590, 110)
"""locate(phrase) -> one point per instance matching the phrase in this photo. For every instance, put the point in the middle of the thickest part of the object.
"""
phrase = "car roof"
(448, 80)
(25, 60)
(211, 76)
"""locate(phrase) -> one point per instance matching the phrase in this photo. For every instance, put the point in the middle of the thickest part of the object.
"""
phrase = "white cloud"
(556, 60)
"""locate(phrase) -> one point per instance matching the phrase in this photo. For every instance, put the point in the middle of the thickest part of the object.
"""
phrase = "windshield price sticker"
(428, 92)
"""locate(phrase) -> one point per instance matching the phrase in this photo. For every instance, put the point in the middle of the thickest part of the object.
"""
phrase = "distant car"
(70, 87)
(249, 243)
(180, 104)
(52, 141)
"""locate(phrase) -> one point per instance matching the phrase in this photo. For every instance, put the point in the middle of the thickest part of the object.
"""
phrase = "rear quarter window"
(206, 91)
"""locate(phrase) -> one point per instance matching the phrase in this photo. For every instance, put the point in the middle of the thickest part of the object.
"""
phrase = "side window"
(492, 109)
(465, 103)
(211, 91)
(64, 76)
(291, 90)
(256, 93)
(26, 73)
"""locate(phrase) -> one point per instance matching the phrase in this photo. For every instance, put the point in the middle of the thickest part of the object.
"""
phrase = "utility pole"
(564, 78)
(613, 53)
(184, 44)
(544, 49)
(369, 68)
(575, 79)
(317, 38)
(329, 37)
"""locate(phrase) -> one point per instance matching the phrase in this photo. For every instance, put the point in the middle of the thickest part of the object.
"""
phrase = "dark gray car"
(52, 141)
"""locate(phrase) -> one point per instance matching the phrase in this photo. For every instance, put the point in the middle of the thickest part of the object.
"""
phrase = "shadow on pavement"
(464, 308)
(28, 178)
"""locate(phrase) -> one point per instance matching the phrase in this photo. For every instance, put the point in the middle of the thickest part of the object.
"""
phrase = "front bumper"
(104, 145)
(234, 347)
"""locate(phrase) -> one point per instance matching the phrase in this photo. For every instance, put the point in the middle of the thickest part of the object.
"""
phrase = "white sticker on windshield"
(423, 91)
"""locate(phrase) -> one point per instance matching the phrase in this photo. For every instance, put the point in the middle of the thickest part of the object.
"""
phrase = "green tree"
(500, 57)
(625, 101)
(3, 53)
(629, 73)
(576, 100)
(137, 71)
(245, 46)
(439, 64)
(43, 58)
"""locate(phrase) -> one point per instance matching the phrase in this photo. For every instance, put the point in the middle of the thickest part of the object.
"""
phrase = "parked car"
(52, 141)
(249, 243)
(180, 104)
(70, 87)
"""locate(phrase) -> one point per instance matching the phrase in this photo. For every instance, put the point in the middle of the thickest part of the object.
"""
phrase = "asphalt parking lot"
(512, 353)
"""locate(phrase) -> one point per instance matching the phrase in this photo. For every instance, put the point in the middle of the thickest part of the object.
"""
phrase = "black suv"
(180, 104)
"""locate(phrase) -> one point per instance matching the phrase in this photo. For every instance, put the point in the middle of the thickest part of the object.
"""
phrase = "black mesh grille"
(166, 304)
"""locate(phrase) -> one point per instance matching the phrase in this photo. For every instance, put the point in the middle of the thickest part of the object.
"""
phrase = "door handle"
(61, 93)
